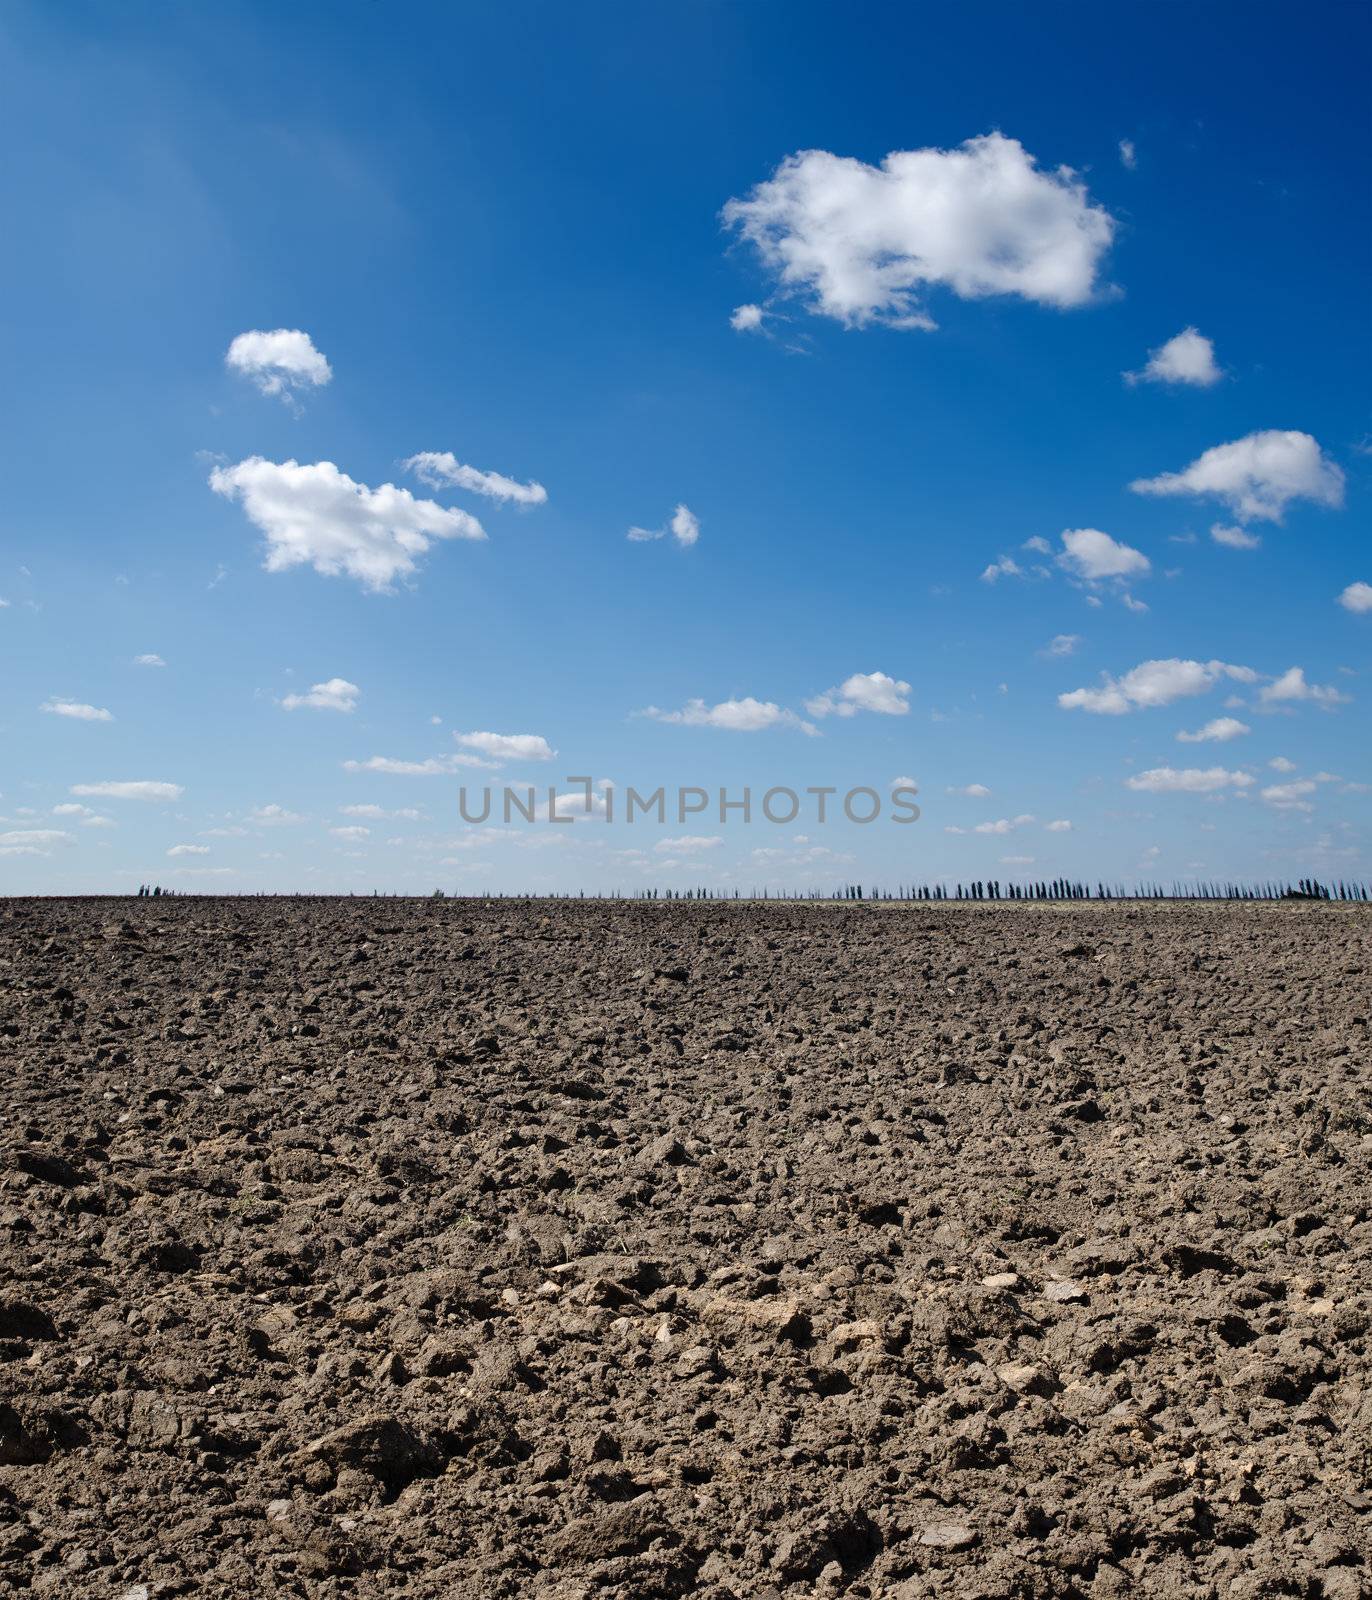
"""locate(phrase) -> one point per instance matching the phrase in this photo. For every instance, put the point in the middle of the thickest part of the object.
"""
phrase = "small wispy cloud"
(275, 816)
(334, 694)
(1187, 780)
(1187, 358)
(77, 710)
(508, 746)
(1062, 644)
(1153, 683)
(863, 691)
(427, 767)
(1290, 796)
(744, 715)
(441, 469)
(684, 527)
(1219, 731)
(132, 789)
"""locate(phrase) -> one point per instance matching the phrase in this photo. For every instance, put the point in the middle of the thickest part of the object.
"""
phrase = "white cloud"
(379, 814)
(1003, 825)
(688, 842)
(352, 834)
(1094, 556)
(1062, 644)
(1128, 155)
(1005, 567)
(77, 710)
(974, 791)
(864, 691)
(1060, 825)
(274, 816)
(746, 319)
(441, 469)
(903, 783)
(1281, 764)
(1153, 683)
(318, 516)
(26, 840)
(1189, 780)
(69, 808)
(1292, 686)
(770, 856)
(141, 789)
(1257, 476)
(1220, 731)
(1357, 597)
(684, 528)
(508, 746)
(189, 850)
(1233, 538)
(335, 694)
(745, 715)
(149, 660)
(1189, 357)
(1290, 796)
(573, 803)
(279, 362)
(858, 243)
(432, 766)
(1091, 559)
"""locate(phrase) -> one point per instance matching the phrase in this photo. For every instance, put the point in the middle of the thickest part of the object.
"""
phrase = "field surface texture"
(557, 1250)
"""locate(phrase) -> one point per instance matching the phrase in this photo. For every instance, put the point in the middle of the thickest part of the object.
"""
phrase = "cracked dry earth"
(358, 1248)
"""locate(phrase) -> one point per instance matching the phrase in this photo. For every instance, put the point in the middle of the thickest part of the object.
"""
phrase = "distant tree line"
(1069, 889)
(979, 889)
(1040, 889)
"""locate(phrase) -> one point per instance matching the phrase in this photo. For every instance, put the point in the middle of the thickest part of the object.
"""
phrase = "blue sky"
(501, 237)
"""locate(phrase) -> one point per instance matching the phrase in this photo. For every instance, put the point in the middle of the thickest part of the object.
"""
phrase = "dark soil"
(417, 1249)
